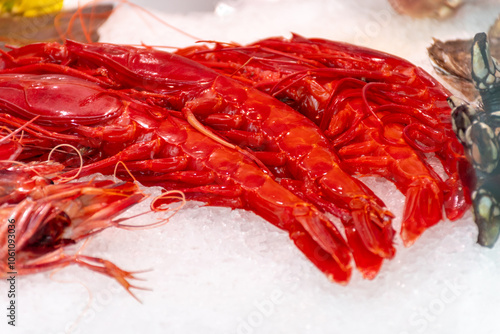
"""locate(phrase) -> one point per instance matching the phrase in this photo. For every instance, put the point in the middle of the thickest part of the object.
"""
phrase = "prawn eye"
(49, 237)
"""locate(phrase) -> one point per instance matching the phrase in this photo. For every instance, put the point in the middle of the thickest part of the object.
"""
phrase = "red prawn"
(281, 138)
(161, 149)
(382, 114)
(46, 218)
(277, 135)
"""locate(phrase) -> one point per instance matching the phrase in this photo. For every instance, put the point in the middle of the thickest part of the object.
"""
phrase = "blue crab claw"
(487, 212)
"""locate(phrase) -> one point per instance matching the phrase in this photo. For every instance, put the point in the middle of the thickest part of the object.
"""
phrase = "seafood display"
(478, 130)
(160, 148)
(282, 133)
(383, 115)
(266, 265)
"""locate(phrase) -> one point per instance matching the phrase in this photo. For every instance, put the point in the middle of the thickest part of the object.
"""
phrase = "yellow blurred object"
(30, 8)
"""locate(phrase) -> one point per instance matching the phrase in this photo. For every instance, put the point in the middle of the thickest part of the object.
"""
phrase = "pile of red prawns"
(279, 127)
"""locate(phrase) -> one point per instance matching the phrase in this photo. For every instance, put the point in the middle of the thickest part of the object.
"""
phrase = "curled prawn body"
(289, 144)
(278, 128)
(380, 113)
(162, 149)
(283, 142)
